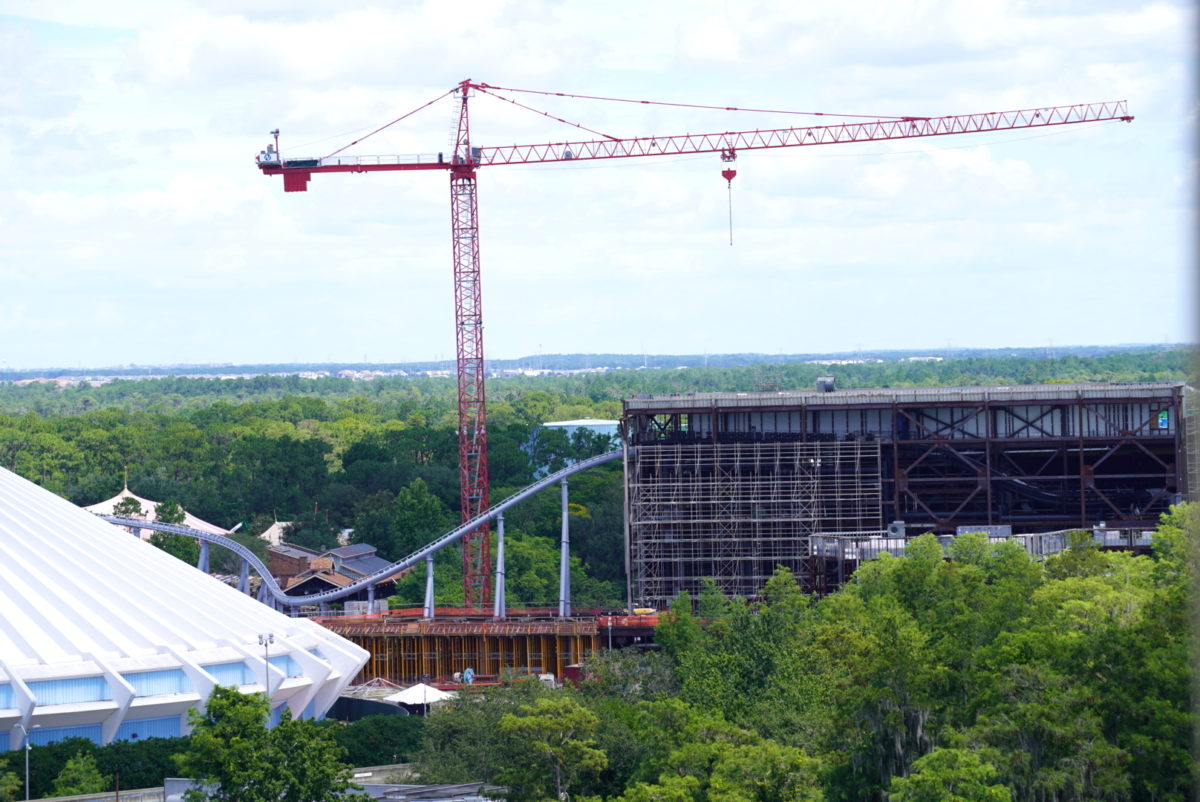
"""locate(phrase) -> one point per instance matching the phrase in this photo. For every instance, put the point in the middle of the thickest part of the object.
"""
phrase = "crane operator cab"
(268, 156)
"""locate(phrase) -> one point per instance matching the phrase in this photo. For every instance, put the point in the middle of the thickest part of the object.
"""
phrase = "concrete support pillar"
(499, 604)
(564, 559)
(244, 577)
(202, 563)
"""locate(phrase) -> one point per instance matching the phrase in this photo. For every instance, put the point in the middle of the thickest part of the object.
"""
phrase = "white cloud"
(128, 135)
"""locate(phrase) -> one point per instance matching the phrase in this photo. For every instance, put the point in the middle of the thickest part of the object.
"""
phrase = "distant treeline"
(599, 392)
(586, 362)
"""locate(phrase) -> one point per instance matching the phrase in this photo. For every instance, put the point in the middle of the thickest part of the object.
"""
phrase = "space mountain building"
(106, 637)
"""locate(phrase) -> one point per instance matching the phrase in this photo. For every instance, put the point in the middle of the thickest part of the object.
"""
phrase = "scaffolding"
(1191, 437)
(726, 485)
(735, 512)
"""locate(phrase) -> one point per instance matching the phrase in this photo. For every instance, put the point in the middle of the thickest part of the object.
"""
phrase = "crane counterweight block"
(296, 181)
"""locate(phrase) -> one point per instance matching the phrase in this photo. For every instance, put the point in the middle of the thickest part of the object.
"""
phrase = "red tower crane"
(465, 160)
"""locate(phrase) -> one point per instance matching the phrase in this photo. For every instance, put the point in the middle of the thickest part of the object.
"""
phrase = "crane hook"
(729, 155)
(728, 176)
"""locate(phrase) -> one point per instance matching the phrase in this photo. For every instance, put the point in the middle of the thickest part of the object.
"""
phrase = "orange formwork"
(409, 651)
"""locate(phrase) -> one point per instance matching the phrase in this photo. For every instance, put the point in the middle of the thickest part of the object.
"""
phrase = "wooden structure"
(406, 651)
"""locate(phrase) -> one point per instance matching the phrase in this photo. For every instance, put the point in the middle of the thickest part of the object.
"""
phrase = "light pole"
(265, 639)
(25, 735)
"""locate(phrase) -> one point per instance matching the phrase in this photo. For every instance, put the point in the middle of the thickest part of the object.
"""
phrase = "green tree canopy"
(80, 776)
(169, 512)
(950, 775)
(10, 786)
(128, 507)
(179, 546)
(235, 758)
(557, 732)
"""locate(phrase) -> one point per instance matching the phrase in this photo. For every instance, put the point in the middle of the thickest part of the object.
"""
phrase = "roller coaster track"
(453, 536)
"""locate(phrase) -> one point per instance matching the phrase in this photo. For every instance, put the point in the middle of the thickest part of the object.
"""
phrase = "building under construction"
(729, 486)
(405, 649)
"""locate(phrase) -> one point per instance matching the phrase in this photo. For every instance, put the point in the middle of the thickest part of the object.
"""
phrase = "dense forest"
(599, 392)
(380, 457)
(990, 675)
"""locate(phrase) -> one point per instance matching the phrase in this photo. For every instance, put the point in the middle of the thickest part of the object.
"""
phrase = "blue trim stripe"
(6, 695)
(48, 735)
(139, 729)
(231, 674)
(153, 683)
(287, 665)
(70, 691)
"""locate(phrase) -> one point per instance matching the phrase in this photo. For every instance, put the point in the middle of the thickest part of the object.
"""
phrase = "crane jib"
(297, 172)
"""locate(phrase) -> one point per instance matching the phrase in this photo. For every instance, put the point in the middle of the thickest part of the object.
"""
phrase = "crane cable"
(389, 125)
(551, 116)
(728, 175)
(730, 187)
(697, 105)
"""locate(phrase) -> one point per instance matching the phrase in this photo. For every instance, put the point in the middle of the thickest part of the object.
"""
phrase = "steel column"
(499, 602)
(429, 604)
(564, 557)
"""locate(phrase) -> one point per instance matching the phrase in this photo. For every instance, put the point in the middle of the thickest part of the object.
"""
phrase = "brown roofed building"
(286, 561)
(337, 569)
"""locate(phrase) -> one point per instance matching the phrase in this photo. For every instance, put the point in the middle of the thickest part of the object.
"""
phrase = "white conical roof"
(83, 602)
(108, 507)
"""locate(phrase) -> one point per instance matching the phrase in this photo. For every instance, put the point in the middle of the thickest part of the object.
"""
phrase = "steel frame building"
(730, 485)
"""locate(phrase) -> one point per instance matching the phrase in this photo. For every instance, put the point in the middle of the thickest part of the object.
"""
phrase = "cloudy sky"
(135, 228)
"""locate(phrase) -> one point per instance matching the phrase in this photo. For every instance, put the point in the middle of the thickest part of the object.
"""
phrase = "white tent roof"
(274, 533)
(107, 506)
(83, 601)
(420, 694)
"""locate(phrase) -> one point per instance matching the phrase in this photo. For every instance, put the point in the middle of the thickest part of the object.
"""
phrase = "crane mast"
(468, 321)
(463, 166)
